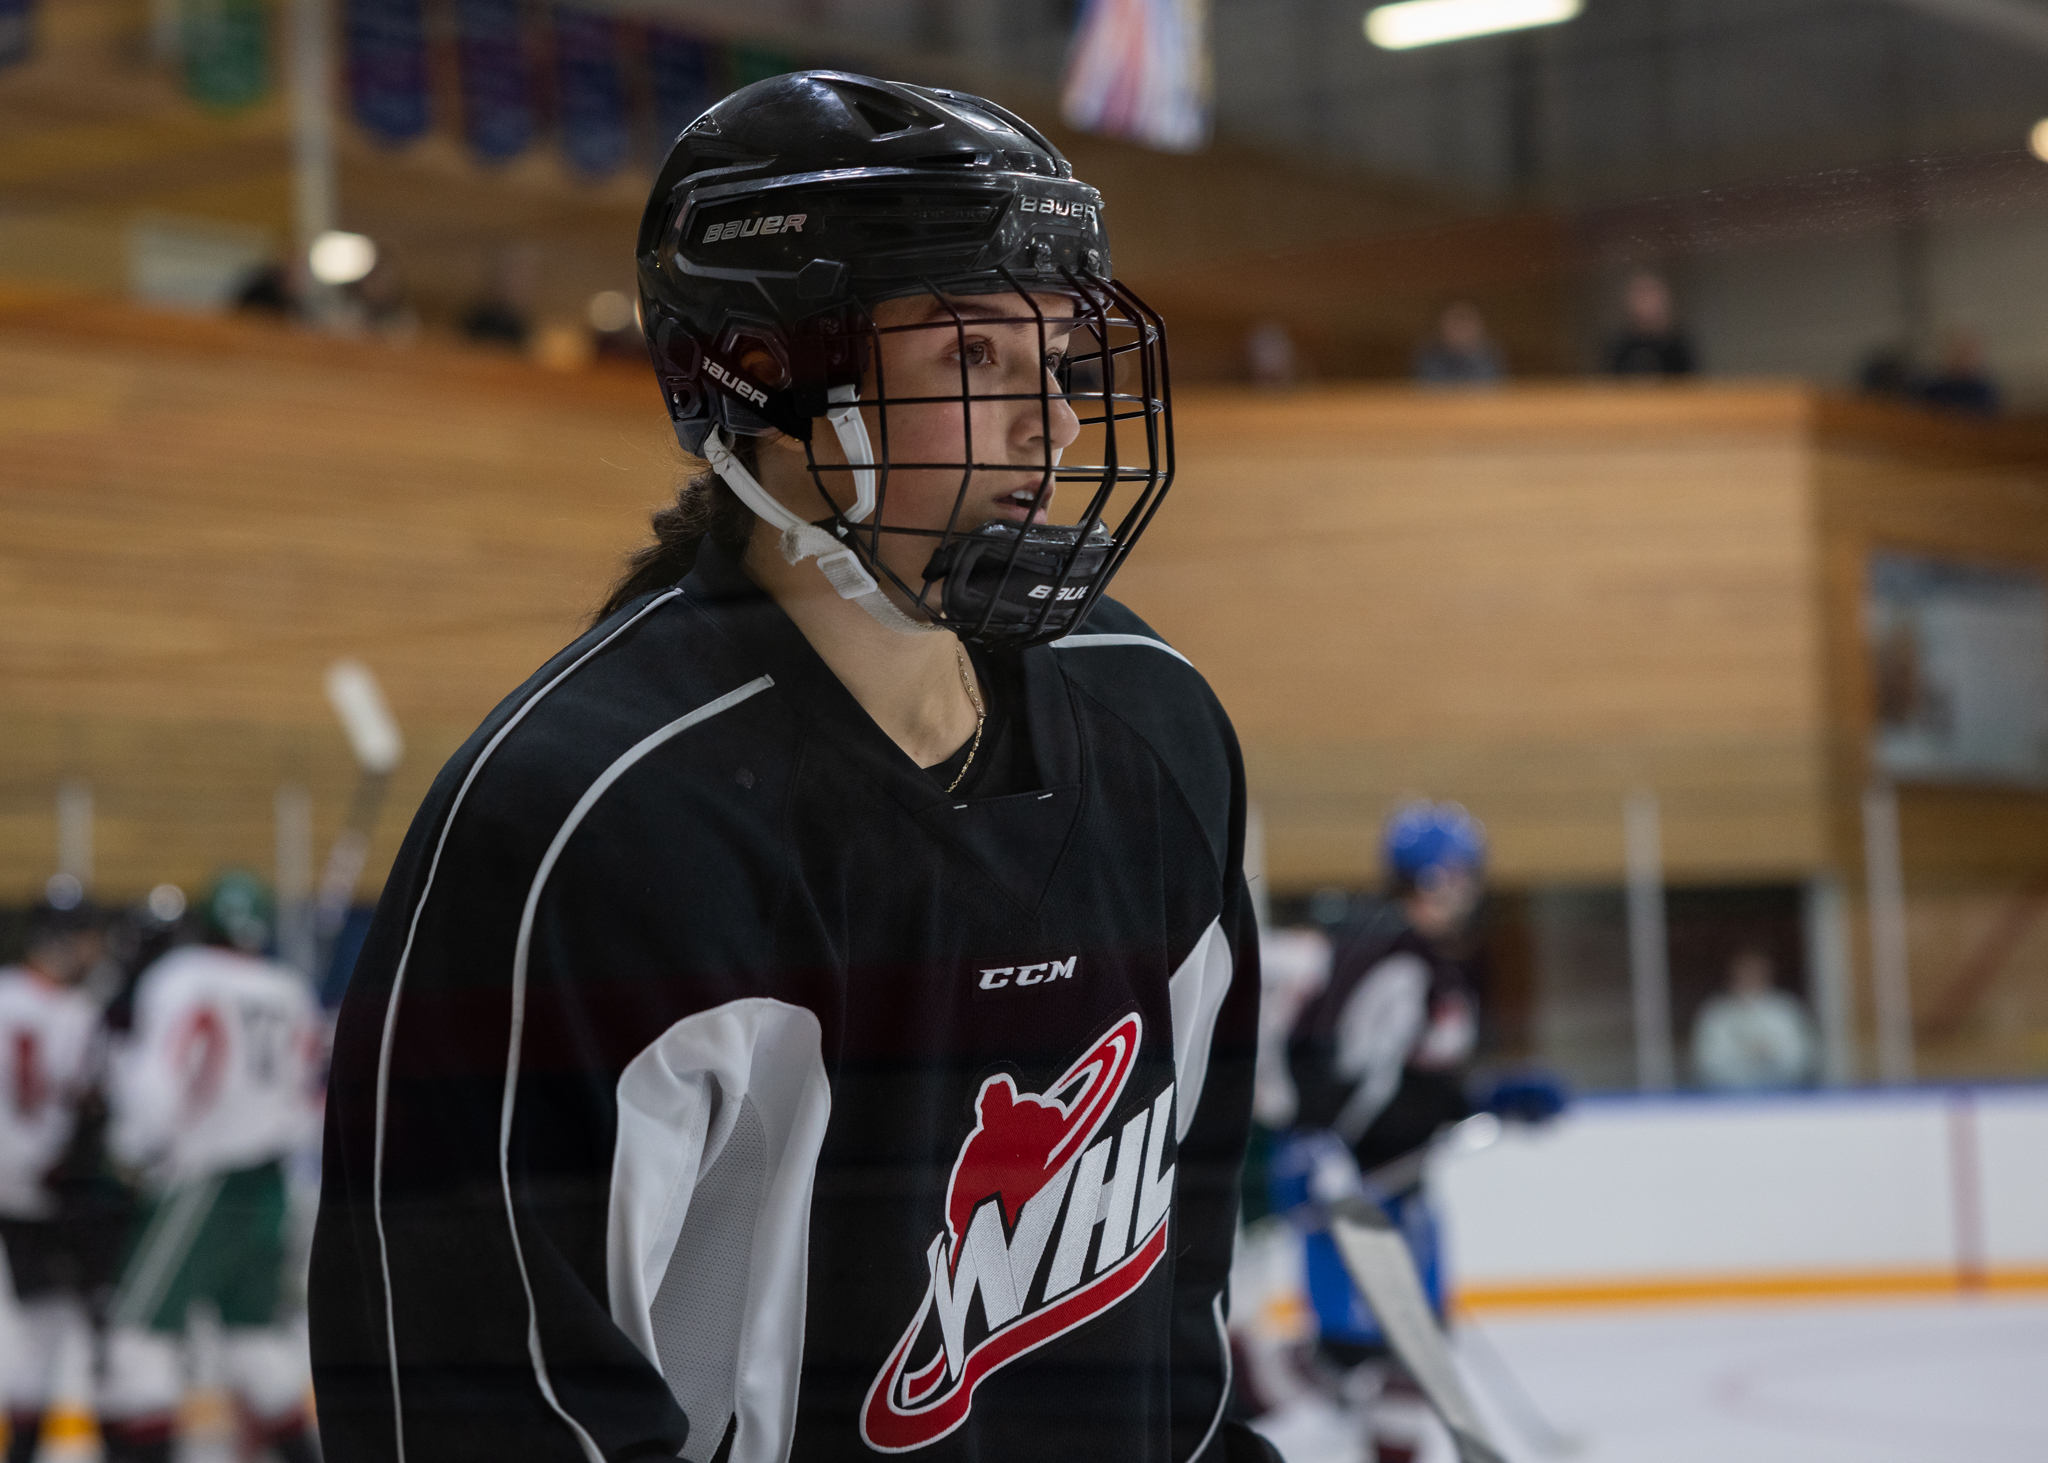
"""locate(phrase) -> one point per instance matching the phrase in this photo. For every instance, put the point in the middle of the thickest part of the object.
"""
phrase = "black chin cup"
(1011, 585)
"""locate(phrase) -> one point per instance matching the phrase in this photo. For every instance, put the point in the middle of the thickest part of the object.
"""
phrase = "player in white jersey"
(214, 1090)
(47, 1026)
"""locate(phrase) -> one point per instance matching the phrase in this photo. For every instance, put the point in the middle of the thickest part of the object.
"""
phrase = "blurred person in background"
(1460, 352)
(213, 1091)
(47, 1038)
(1651, 341)
(1752, 1037)
(1270, 354)
(1379, 1060)
(1964, 383)
(503, 313)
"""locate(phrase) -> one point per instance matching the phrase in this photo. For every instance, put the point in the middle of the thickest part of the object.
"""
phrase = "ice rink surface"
(1936, 1381)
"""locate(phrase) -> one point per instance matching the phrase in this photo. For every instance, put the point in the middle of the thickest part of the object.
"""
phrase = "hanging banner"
(17, 30)
(227, 52)
(387, 67)
(589, 93)
(683, 78)
(757, 63)
(497, 85)
(1139, 70)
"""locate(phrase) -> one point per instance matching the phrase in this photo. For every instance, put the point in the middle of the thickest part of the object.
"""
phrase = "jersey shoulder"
(1130, 669)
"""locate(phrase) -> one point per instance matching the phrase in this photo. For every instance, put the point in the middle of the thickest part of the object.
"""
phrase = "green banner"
(227, 52)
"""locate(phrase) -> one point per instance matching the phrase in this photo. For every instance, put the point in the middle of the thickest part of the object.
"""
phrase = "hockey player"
(212, 1092)
(47, 1028)
(1379, 1059)
(813, 1018)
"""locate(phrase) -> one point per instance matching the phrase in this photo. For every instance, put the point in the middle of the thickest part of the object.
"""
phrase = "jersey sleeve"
(514, 1127)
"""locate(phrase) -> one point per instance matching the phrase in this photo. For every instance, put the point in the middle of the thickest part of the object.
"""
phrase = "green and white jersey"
(221, 1068)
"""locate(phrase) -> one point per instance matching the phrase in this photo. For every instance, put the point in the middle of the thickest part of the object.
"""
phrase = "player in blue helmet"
(1380, 1060)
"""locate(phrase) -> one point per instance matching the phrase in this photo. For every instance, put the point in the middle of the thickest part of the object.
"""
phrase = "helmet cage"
(1002, 582)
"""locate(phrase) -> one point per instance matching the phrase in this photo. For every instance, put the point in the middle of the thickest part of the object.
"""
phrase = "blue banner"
(17, 30)
(682, 82)
(589, 92)
(387, 67)
(497, 84)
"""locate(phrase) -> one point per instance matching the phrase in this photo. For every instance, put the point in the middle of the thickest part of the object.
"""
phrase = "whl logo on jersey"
(1042, 1264)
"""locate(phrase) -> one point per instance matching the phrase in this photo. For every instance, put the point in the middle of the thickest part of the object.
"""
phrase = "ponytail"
(704, 508)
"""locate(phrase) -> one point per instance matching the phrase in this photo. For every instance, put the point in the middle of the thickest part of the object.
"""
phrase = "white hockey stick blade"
(1384, 1272)
(358, 700)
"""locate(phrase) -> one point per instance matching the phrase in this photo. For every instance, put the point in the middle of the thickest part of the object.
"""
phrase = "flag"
(17, 30)
(1139, 70)
(590, 95)
(387, 67)
(227, 52)
(497, 91)
(682, 83)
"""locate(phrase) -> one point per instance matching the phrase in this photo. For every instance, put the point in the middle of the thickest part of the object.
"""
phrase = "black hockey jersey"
(1380, 1054)
(712, 1084)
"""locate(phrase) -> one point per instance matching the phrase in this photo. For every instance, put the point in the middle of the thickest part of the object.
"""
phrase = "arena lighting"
(339, 258)
(2037, 140)
(610, 311)
(1412, 23)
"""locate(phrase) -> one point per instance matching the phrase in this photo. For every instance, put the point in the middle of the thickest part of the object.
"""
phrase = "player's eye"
(1054, 360)
(976, 352)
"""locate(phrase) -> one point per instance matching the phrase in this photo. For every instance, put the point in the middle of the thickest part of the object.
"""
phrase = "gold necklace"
(980, 716)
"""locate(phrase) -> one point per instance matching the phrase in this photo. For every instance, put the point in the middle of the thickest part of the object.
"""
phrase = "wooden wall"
(1975, 859)
(1537, 600)
(195, 519)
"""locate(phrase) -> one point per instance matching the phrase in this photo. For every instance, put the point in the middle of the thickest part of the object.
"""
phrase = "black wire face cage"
(1027, 569)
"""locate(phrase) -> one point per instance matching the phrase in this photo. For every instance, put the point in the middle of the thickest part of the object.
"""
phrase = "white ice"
(1939, 1381)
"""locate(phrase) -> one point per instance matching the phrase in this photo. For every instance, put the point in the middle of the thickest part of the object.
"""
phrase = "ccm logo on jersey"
(746, 228)
(1072, 591)
(737, 384)
(1013, 1235)
(1044, 970)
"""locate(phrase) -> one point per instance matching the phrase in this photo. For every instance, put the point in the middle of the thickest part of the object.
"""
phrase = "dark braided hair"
(704, 508)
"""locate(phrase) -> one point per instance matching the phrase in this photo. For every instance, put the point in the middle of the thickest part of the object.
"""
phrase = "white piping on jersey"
(1229, 1367)
(398, 985)
(520, 950)
(1088, 642)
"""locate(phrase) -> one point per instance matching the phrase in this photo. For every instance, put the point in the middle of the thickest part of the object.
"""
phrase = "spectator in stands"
(1888, 371)
(1651, 342)
(503, 315)
(1269, 352)
(1460, 352)
(380, 302)
(1963, 384)
(1752, 1037)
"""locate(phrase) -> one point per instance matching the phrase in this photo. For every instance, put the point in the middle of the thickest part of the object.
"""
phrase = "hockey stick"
(374, 738)
(1501, 1383)
(1380, 1266)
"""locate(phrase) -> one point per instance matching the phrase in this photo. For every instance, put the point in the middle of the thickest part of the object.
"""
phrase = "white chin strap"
(838, 562)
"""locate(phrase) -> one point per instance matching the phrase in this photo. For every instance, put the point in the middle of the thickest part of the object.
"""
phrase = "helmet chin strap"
(801, 540)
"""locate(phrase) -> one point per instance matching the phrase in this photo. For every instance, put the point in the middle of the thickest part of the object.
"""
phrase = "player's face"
(984, 358)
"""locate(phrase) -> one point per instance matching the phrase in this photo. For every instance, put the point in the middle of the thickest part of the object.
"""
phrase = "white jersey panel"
(46, 1035)
(219, 1072)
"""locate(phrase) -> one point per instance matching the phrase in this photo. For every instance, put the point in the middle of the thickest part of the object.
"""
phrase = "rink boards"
(1630, 1199)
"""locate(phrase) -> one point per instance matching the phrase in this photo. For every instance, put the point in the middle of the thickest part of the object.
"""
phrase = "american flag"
(1139, 70)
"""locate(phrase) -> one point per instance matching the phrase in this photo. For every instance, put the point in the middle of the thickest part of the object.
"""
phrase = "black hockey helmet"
(784, 215)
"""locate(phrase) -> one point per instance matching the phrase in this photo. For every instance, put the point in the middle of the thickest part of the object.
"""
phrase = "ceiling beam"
(2017, 21)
